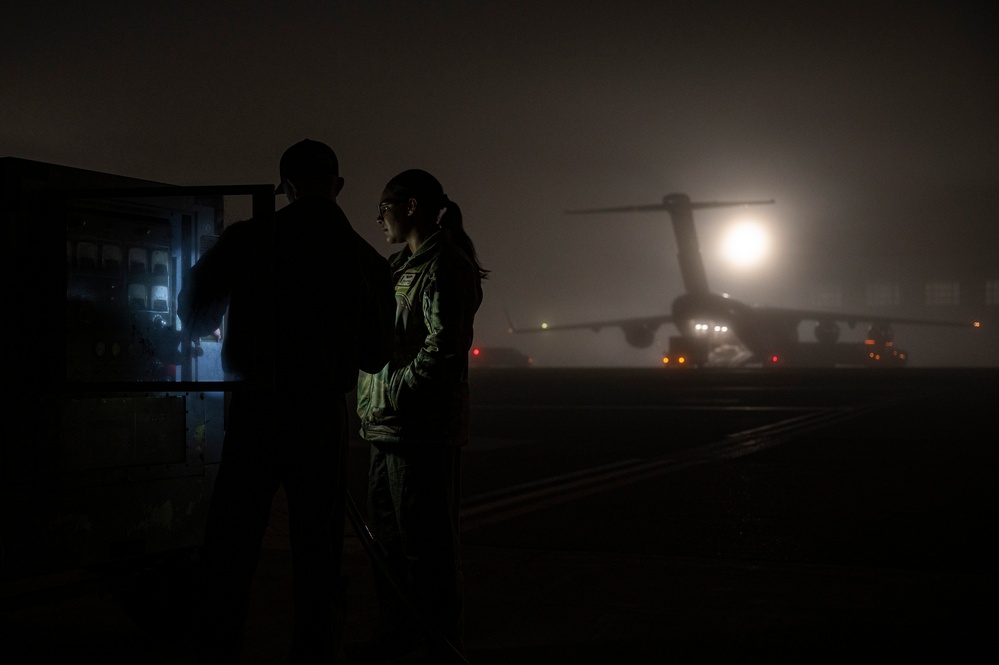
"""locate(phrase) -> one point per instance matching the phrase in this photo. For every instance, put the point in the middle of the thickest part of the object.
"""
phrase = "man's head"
(309, 168)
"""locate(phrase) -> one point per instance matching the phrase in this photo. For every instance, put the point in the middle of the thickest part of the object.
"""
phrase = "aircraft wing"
(641, 322)
(853, 318)
(791, 315)
(639, 331)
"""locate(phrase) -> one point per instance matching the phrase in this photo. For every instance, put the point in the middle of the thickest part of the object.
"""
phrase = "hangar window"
(943, 293)
(826, 296)
(992, 292)
(883, 293)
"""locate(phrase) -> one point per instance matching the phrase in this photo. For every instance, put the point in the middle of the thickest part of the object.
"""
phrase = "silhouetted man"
(310, 303)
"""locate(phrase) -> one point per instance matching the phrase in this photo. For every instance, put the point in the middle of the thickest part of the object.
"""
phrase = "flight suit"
(414, 413)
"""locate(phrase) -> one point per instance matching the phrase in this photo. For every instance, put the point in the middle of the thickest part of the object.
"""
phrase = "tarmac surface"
(633, 516)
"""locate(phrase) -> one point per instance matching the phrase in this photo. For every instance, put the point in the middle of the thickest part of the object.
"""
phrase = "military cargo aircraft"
(717, 330)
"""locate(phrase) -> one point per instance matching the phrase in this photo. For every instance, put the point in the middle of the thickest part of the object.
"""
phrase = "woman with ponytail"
(414, 415)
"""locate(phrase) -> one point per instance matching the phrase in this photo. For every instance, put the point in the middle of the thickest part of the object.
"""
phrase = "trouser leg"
(314, 484)
(237, 518)
(394, 622)
(429, 518)
(413, 508)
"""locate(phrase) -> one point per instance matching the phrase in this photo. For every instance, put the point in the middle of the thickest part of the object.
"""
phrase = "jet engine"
(639, 336)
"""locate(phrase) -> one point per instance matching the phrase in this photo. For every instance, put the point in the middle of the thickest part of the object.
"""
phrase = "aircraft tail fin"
(510, 328)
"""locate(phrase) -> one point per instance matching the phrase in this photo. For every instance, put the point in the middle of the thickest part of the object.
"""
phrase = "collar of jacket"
(311, 204)
(423, 254)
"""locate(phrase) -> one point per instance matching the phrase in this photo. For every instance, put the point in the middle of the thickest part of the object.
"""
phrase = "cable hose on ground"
(374, 551)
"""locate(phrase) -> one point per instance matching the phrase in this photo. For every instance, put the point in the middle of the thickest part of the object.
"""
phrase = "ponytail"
(426, 189)
(451, 221)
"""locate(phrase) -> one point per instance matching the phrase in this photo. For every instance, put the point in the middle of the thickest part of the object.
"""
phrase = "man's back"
(312, 304)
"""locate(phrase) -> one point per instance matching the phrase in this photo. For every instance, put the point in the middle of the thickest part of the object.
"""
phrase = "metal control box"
(115, 417)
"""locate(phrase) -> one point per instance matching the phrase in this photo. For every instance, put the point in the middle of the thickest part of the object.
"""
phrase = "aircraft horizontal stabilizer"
(671, 203)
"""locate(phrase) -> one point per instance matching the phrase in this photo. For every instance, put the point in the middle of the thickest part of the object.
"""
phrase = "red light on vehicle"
(475, 352)
(774, 359)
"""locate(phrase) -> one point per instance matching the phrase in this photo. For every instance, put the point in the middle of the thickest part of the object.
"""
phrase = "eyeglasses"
(385, 205)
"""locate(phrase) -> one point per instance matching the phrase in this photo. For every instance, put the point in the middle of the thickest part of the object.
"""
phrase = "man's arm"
(377, 309)
(204, 297)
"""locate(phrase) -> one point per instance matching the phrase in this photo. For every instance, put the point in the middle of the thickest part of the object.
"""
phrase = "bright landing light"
(745, 244)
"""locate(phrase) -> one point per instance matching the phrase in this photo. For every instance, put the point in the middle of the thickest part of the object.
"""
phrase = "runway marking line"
(501, 505)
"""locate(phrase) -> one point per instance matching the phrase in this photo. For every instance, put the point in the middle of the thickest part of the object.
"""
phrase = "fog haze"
(873, 126)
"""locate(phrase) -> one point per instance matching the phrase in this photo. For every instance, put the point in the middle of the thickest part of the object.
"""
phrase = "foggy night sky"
(866, 120)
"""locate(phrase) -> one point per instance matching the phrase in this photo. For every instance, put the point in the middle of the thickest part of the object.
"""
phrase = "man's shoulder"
(318, 217)
(238, 227)
(236, 234)
(313, 206)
